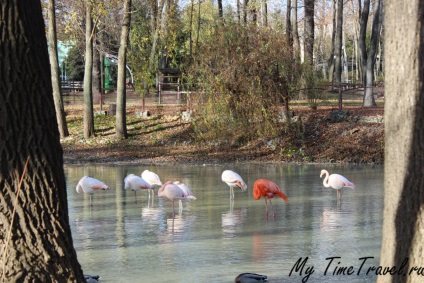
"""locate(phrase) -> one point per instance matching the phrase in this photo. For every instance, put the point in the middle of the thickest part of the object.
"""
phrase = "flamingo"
(186, 191)
(336, 182)
(151, 178)
(268, 190)
(233, 180)
(89, 185)
(135, 183)
(171, 191)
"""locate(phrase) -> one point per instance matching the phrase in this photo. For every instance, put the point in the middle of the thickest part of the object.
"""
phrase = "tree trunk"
(309, 31)
(264, 13)
(245, 9)
(96, 71)
(121, 123)
(333, 39)
(220, 11)
(296, 42)
(404, 153)
(88, 93)
(54, 67)
(35, 236)
(338, 45)
(289, 31)
(369, 100)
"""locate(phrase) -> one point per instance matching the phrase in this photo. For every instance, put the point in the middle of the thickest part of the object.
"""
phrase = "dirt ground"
(354, 136)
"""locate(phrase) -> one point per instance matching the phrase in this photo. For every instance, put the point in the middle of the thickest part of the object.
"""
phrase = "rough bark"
(404, 146)
(121, 123)
(338, 45)
(88, 92)
(40, 247)
(309, 31)
(54, 67)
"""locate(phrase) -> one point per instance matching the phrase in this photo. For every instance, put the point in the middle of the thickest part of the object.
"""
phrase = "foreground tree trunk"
(404, 151)
(54, 66)
(121, 122)
(35, 237)
(88, 92)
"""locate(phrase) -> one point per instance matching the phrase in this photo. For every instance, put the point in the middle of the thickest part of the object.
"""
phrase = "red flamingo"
(268, 190)
(336, 182)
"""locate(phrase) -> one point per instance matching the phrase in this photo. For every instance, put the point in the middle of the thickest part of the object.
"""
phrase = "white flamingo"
(172, 192)
(336, 182)
(233, 180)
(151, 178)
(89, 185)
(136, 183)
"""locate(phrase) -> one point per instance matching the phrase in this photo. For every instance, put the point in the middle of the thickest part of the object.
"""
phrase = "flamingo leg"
(231, 192)
(272, 208)
(266, 210)
(338, 195)
(173, 210)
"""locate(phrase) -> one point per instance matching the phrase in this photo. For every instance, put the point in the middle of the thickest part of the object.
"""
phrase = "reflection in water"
(232, 222)
(212, 240)
(336, 219)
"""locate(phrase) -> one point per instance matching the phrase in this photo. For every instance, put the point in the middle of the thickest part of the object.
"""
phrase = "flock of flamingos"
(178, 191)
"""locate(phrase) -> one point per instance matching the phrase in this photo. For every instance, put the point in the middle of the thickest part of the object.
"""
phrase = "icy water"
(124, 238)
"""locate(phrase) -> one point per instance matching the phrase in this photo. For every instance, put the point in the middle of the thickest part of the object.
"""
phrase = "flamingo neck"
(325, 181)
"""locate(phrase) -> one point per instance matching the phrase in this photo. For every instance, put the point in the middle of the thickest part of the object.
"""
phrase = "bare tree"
(309, 27)
(404, 153)
(54, 67)
(88, 92)
(368, 56)
(121, 124)
(337, 79)
(35, 236)
(333, 39)
(296, 42)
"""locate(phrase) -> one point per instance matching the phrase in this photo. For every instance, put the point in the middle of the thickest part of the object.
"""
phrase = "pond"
(125, 237)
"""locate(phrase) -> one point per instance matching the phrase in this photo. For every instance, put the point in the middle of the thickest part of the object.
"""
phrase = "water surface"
(128, 238)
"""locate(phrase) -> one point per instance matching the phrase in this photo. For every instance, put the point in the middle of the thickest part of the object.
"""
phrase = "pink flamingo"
(268, 190)
(336, 182)
(187, 192)
(172, 192)
(233, 180)
(89, 185)
(135, 183)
